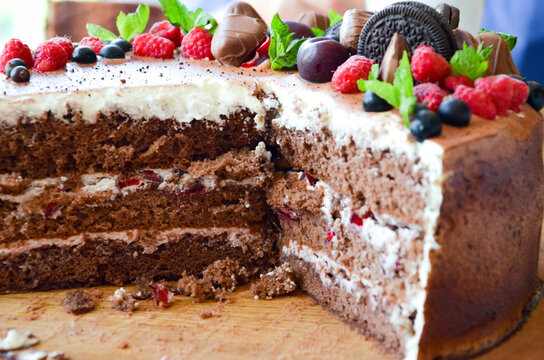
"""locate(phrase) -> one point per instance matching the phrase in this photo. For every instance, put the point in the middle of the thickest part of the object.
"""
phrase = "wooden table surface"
(291, 327)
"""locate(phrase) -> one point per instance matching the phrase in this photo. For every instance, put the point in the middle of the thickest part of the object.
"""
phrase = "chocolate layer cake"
(141, 168)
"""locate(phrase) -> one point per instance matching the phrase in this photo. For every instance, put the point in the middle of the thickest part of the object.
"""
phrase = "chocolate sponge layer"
(50, 147)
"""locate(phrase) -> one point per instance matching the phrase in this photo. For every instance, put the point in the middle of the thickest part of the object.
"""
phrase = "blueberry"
(426, 124)
(20, 74)
(318, 59)
(454, 112)
(112, 52)
(13, 63)
(123, 44)
(420, 106)
(84, 55)
(374, 103)
(536, 95)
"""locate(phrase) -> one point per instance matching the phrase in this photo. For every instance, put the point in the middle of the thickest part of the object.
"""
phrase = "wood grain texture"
(291, 327)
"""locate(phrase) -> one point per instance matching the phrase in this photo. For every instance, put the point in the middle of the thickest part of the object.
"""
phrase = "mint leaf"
(405, 84)
(334, 17)
(283, 50)
(374, 72)
(101, 33)
(205, 21)
(510, 39)
(180, 16)
(470, 62)
(177, 14)
(318, 32)
(384, 90)
(400, 94)
(133, 23)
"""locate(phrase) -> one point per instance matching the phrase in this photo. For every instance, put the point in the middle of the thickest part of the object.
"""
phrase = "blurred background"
(35, 20)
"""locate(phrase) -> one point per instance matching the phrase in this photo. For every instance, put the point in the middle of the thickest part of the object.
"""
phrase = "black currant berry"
(19, 74)
(123, 44)
(112, 52)
(454, 112)
(425, 125)
(13, 63)
(374, 103)
(84, 55)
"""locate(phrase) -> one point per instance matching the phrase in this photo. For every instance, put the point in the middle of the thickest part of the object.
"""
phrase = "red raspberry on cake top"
(15, 49)
(197, 44)
(49, 56)
(345, 77)
(431, 94)
(65, 43)
(451, 83)
(506, 93)
(93, 43)
(168, 31)
(478, 102)
(429, 66)
(153, 46)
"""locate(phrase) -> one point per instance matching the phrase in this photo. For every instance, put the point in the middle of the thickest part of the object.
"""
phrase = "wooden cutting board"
(291, 327)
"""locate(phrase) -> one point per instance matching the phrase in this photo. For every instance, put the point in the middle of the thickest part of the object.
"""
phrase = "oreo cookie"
(450, 14)
(445, 23)
(417, 23)
(333, 32)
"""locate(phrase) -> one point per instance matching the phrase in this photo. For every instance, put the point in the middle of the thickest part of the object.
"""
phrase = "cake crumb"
(217, 280)
(209, 313)
(123, 301)
(78, 302)
(36, 355)
(278, 282)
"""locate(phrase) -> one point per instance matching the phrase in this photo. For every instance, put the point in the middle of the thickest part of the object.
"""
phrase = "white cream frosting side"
(207, 98)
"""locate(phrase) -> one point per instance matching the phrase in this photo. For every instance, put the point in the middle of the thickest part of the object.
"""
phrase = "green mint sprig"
(127, 25)
(334, 17)
(318, 32)
(471, 62)
(400, 94)
(180, 16)
(283, 49)
(510, 39)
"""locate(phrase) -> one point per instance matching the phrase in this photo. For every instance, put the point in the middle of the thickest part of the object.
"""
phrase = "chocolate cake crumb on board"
(78, 302)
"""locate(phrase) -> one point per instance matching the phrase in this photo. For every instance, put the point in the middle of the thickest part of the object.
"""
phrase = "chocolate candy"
(352, 25)
(417, 24)
(236, 37)
(500, 60)
(450, 14)
(391, 59)
(314, 19)
(462, 36)
(242, 8)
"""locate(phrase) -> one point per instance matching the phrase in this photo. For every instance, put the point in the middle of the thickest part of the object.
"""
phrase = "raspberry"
(153, 46)
(93, 43)
(505, 92)
(345, 77)
(478, 102)
(65, 43)
(430, 93)
(452, 82)
(13, 49)
(197, 44)
(168, 31)
(49, 56)
(428, 66)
